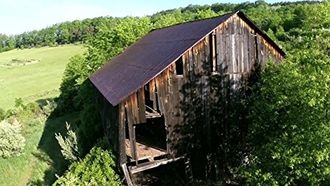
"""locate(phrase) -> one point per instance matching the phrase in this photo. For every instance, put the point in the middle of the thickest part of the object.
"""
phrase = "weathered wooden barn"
(142, 86)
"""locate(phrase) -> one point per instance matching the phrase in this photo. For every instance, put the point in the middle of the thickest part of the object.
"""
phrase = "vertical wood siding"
(238, 50)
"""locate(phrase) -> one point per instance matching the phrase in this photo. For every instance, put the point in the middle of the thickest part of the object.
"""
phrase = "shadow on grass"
(48, 149)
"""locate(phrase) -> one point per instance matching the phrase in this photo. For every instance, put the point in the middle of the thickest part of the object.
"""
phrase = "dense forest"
(287, 110)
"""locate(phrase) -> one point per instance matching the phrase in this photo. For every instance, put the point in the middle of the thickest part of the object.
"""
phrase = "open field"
(33, 74)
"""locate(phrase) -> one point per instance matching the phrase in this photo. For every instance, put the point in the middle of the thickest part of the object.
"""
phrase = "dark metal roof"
(149, 56)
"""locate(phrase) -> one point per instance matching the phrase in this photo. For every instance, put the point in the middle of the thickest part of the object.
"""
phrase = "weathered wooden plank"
(237, 47)
(203, 63)
(160, 93)
(224, 67)
(243, 48)
(253, 51)
(152, 90)
(213, 52)
(217, 49)
(232, 54)
(196, 60)
(131, 129)
(191, 64)
(135, 109)
(154, 164)
(127, 175)
(154, 93)
(141, 105)
(237, 44)
(121, 133)
(246, 50)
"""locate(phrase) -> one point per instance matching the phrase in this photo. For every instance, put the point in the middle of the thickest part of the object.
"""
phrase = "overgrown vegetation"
(12, 141)
(97, 168)
(286, 115)
(69, 144)
(290, 123)
(20, 129)
(286, 112)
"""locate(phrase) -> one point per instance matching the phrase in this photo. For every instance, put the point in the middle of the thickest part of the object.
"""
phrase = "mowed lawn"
(38, 78)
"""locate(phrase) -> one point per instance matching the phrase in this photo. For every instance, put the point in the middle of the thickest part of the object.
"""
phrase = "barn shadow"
(49, 152)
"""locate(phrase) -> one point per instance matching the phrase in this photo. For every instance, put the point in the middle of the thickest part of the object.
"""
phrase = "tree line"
(58, 34)
(80, 30)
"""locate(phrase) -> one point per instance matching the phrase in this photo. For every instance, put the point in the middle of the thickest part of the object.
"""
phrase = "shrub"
(69, 144)
(72, 78)
(97, 168)
(290, 126)
(48, 107)
(11, 140)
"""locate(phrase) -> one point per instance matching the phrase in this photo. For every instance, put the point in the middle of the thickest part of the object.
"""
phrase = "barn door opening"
(147, 140)
(152, 135)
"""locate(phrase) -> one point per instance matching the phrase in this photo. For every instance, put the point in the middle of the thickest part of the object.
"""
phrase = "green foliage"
(97, 168)
(290, 123)
(68, 144)
(12, 141)
(74, 75)
(288, 110)
(77, 93)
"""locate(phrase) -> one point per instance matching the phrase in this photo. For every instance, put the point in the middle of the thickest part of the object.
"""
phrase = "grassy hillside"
(41, 158)
(32, 74)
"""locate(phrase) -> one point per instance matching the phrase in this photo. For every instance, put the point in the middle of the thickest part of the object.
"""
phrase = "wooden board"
(143, 151)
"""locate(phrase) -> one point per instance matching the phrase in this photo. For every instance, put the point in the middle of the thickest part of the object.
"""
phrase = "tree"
(290, 123)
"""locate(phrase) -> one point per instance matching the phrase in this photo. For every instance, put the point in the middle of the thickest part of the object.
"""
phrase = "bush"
(97, 168)
(290, 125)
(72, 79)
(69, 144)
(11, 140)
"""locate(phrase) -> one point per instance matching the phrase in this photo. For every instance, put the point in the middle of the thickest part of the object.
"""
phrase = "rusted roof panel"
(145, 59)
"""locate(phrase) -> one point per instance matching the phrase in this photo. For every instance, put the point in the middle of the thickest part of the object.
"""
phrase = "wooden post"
(131, 131)
(121, 133)
(127, 175)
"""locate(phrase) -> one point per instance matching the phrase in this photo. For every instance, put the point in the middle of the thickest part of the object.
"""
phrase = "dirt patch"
(20, 62)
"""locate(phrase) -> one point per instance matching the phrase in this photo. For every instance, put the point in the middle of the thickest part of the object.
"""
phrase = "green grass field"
(33, 74)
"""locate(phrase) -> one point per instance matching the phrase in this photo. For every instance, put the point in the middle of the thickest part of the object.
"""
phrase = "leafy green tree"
(97, 168)
(290, 123)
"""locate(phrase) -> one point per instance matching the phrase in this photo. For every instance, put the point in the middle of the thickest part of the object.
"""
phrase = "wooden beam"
(154, 164)
(121, 136)
(127, 175)
(131, 131)
(142, 105)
